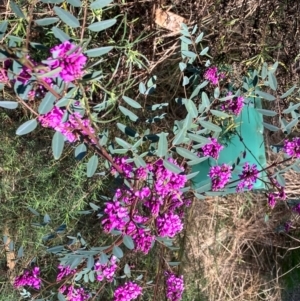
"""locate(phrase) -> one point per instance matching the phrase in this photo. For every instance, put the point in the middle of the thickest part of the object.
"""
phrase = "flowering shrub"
(152, 169)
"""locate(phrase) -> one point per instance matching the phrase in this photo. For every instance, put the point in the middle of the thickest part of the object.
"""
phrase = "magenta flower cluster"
(220, 176)
(64, 271)
(106, 271)
(175, 287)
(71, 128)
(273, 197)
(292, 148)
(212, 75)
(157, 206)
(74, 294)
(248, 177)
(128, 291)
(70, 58)
(29, 278)
(212, 149)
(233, 106)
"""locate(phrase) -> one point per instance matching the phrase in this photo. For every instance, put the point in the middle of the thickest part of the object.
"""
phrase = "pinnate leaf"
(66, 17)
(27, 127)
(102, 25)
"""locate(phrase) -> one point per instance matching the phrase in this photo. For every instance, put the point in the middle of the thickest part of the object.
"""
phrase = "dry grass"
(231, 250)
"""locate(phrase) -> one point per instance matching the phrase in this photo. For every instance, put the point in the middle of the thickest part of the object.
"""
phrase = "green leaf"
(128, 242)
(142, 88)
(185, 81)
(205, 100)
(92, 166)
(199, 138)
(199, 160)
(272, 81)
(139, 162)
(266, 112)
(3, 28)
(100, 4)
(46, 21)
(188, 121)
(55, 249)
(210, 126)
(102, 25)
(75, 3)
(132, 102)
(162, 149)
(58, 142)
(189, 54)
(117, 251)
(274, 67)
(47, 103)
(186, 40)
(265, 95)
(271, 127)
(66, 17)
(61, 297)
(291, 108)
(291, 124)
(186, 153)
(198, 88)
(264, 71)
(219, 113)
(172, 167)
(33, 211)
(127, 130)
(204, 51)
(280, 179)
(16, 9)
(9, 104)
(92, 276)
(182, 66)
(216, 92)
(59, 34)
(128, 113)
(98, 51)
(199, 38)
(288, 92)
(50, 73)
(123, 143)
(127, 271)
(191, 108)
(27, 127)
(179, 138)
(192, 175)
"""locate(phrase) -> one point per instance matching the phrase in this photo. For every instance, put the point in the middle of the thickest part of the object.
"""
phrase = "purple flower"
(175, 287)
(117, 216)
(220, 176)
(74, 294)
(70, 59)
(211, 74)
(212, 149)
(248, 177)
(143, 240)
(106, 271)
(272, 200)
(128, 291)
(233, 106)
(64, 271)
(168, 224)
(53, 119)
(29, 278)
(292, 148)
